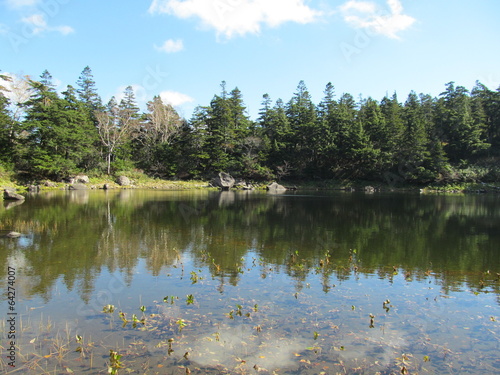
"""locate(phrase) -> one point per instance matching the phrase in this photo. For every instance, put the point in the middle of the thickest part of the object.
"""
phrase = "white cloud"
(39, 25)
(367, 15)
(238, 17)
(171, 46)
(175, 98)
(142, 96)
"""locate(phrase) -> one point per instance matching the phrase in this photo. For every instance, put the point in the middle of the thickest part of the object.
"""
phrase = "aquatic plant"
(114, 362)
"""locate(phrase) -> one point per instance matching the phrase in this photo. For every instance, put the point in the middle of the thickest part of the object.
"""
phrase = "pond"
(206, 282)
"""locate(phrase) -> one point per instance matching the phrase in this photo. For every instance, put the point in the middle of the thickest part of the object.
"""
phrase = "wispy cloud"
(238, 17)
(39, 25)
(171, 46)
(142, 95)
(175, 98)
(367, 15)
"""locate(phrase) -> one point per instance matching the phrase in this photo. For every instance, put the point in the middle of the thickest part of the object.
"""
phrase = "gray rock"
(13, 234)
(34, 188)
(49, 184)
(123, 181)
(243, 185)
(82, 179)
(275, 187)
(369, 189)
(9, 194)
(77, 187)
(108, 186)
(224, 181)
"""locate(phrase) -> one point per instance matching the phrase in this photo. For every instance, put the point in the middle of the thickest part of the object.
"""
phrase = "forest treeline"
(49, 135)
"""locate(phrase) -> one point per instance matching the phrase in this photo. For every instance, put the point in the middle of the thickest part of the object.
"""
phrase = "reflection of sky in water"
(25, 241)
(421, 319)
(308, 320)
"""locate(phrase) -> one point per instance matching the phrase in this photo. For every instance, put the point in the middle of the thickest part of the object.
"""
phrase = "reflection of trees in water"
(74, 236)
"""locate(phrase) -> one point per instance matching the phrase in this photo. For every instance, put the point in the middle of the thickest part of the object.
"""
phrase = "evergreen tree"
(59, 136)
(465, 137)
(87, 91)
(301, 113)
(325, 136)
(276, 132)
(374, 125)
(393, 115)
(415, 144)
(486, 109)
(46, 80)
(430, 110)
(227, 126)
(195, 145)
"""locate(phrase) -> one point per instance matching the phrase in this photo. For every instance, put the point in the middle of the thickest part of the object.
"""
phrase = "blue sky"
(183, 49)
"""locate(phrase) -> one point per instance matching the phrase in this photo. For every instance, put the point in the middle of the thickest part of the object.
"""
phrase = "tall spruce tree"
(87, 92)
(301, 113)
(227, 126)
(393, 114)
(415, 154)
(276, 132)
(325, 136)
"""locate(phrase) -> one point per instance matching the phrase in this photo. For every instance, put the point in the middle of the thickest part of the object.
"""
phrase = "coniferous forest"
(420, 139)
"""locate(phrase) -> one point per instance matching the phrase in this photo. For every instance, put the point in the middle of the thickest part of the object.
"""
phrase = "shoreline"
(324, 185)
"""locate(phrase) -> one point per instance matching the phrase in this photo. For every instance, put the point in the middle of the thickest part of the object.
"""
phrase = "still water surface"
(245, 282)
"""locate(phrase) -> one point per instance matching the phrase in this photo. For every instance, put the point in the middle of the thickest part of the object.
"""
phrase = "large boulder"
(275, 187)
(11, 195)
(82, 179)
(123, 181)
(224, 181)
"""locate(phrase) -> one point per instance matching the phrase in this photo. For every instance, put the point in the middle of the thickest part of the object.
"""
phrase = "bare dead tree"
(115, 127)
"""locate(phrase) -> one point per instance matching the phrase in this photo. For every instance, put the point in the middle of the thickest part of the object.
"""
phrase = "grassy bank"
(139, 180)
